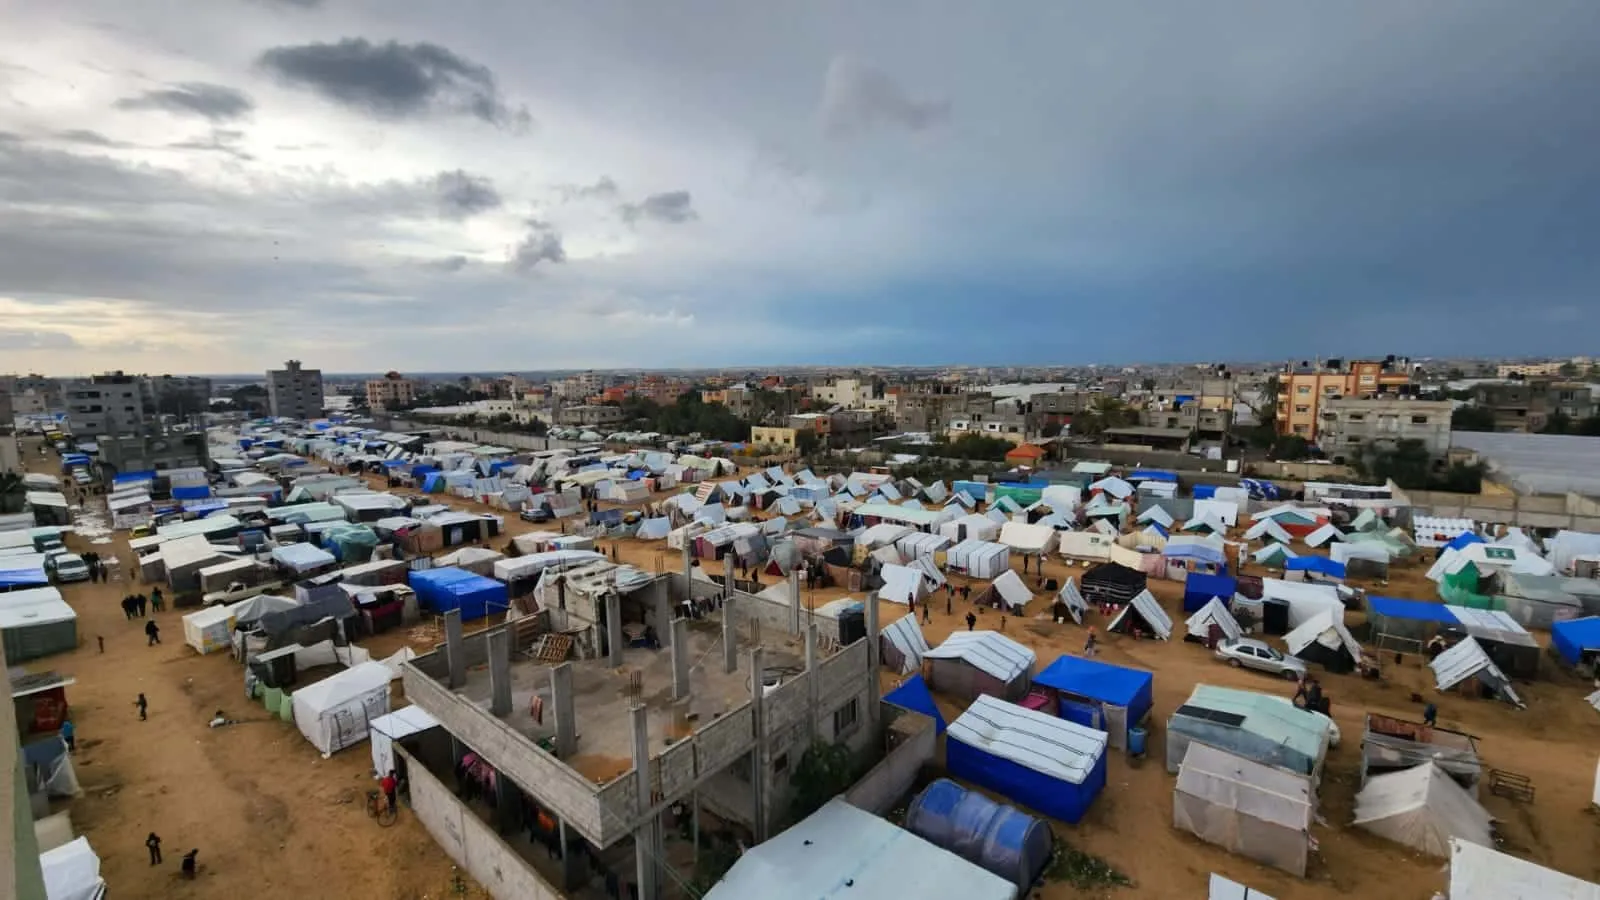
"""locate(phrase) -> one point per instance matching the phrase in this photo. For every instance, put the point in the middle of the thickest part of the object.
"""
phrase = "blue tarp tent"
(1100, 695)
(977, 490)
(1205, 491)
(133, 477)
(1414, 610)
(441, 590)
(1052, 765)
(915, 696)
(22, 571)
(1139, 475)
(1575, 638)
(1318, 564)
(1199, 588)
(192, 492)
(1465, 539)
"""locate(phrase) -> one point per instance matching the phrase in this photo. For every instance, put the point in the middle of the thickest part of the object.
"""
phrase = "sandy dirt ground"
(268, 812)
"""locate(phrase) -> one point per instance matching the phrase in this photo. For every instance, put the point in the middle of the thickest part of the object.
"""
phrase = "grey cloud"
(24, 339)
(216, 102)
(447, 264)
(296, 4)
(672, 207)
(603, 189)
(90, 138)
(395, 80)
(857, 98)
(541, 244)
(218, 141)
(462, 195)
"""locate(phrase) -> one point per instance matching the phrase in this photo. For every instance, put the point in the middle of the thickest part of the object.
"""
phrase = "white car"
(68, 567)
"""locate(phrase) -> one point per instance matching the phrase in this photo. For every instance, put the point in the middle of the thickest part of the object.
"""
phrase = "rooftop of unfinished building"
(602, 695)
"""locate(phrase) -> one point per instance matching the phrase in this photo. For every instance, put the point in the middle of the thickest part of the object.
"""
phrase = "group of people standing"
(99, 572)
(187, 866)
(134, 605)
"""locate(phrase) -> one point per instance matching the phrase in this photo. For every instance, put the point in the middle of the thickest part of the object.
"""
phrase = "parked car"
(537, 514)
(68, 567)
(1252, 654)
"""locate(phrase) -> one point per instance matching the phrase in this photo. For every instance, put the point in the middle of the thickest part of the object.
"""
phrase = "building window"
(1419, 420)
(1368, 379)
(844, 718)
(1302, 409)
(780, 763)
(1358, 417)
(1303, 389)
(1300, 429)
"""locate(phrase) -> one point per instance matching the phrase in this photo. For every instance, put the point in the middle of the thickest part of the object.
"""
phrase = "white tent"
(1157, 515)
(1326, 630)
(1028, 539)
(1062, 498)
(655, 529)
(930, 571)
(970, 527)
(1437, 531)
(1489, 558)
(1268, 528)
(477, 560)
(209, 630)
(1273, 554)
(920, 544)
(1207, 522)
(979, 559)
(882, 535)
(1009, 588)
(385, 730)
(901, 584)
(1070, 597)
(71, 872)
(1086, 545)
(1114, 486)
(1228, 889)
(1225, 511)
(1214, 613)
(1479, 873)
(1423, 808)
(1144, 606)
(1245, 807)
(988, 651)
(1467, 660)
(1304, 599)
(335, 712)
(1369, 550)
(1323, 535)
(905, 635)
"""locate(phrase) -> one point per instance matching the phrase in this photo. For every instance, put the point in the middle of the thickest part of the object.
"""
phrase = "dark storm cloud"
(462, 195)
(542, 244)
(672, 207)
(395, 80)
(857, 98)
(216, 102)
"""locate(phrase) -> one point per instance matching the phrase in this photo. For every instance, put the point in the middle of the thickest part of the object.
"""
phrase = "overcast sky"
(509, 184)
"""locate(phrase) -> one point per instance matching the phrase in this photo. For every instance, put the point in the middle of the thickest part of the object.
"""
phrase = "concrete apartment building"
(848, 393)
(181, 395)
(391, 391)
(589, 415)
(294, 392)
(782, 437)
(931, 406)
(1526, 406)
(1059, 406)
(1303, 389)
(1529, 370)
(31, 394)
(607, 745)
(580, 386)
(112, 403)
(738, 398)
(1010, 426)
(1351, 423)
(1209, 427)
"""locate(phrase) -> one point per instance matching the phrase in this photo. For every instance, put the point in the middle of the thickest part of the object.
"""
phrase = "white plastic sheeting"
(72, 872)
(1467, 660)
(1226, 511)
(1325, 628)
(334, 713)
(901, 584)
(979, 559)
(990, 652)
(385, 730)
(1268, 528)
(1011, 590)
(1323, 535)
(1070, 597)
(1028, 539)
(906, 636)
(1149, 609)
(1304, 599)
(1423, 808)
(1034, 740)
(1437, 531)
(1245, 807)
(1214, 613)
(1479, 873)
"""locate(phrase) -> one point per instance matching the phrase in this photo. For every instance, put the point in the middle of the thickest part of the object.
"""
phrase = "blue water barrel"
(1136, 739)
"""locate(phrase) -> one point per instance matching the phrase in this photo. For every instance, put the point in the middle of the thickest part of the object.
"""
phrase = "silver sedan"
(1250, 654)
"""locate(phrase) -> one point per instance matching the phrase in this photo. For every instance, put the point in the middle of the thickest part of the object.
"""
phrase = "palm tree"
(11, 492)
(1105, 412)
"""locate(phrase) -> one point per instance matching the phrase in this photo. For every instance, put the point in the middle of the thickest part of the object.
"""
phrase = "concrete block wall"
(676, 768)
(725, 739)
(772, 615)
(540, 774)
(885, 783)
(469, 842)
(618, 804)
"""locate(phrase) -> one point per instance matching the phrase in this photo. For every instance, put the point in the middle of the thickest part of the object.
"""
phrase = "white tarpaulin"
(385, 730)
(1029, 539)
(1423, 808)
(71, 872)
(901, 584)
(1145, 606)
(1214, 613)
(335, 712)
(1010, 589)
(1479, 873)
(1467, 660)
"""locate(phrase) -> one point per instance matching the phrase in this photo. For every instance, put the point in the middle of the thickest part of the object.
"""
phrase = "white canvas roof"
(1073, 599)
(1226, 511)
(1489, 558)
(988, 651)
(906, 636)
(1028, 538)
(655, 529)
(808, 862)
(1323, 535)
(325, 711)
(232, 565)
(1370, 550)
(298, 557)
(1228, 889)
(1011, 589)
(1466, 660)
(1423, 808)
(1157, 515)
(1043, 743)
(882, 534)
(72, 872)
(1325, 628)
(1214, 612)
(1305, 599)
(1149, 609)
(1479, 873)
(979, 527)
(1063, 498)
(1085, 545)
(469, 555)
(187, 551)
(533, 564)
(385, 730)
(1268, 528)
(1114, 486)
(34, 606)
(901, 584)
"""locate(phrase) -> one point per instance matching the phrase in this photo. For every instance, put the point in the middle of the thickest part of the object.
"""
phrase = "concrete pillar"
(614, 638)
(563, 712)
(680, 658)
(871, 675)
(811, 683)
(688, 570)
(755, 631)
(644, 837)
(758, 756)
(499, 672)
(454, 649)
(794, 600)
(730, 637)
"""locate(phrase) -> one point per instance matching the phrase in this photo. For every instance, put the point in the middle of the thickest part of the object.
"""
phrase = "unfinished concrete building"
(686, 702)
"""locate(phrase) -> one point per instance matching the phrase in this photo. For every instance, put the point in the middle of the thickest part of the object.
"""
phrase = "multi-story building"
(181, 396)
(113, 403)
(154, 447)
(8, 412)
(589, 414)
(391, 391)
(931, 405)
(1527, 405)
(32, 393)
(738, 398)
(848, 393)
(1352, 424)
(579, 387)
(1528, 370)
(294, 392)
(782, 437)
(1209, 427)
(716, 720)
(1059, 406)
(1010, 426)
(1303, 389)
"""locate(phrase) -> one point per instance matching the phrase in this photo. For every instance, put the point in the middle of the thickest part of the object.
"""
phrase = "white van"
(69, 567)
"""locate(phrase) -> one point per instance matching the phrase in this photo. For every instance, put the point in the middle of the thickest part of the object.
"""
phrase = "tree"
(1104, 413)
(1051, 429)
(1589, 427)
(806, 442)
(1291, 447)
(1472, 418)
(251, 399)
(1557, 423)
(1455, 375)
(1568, 370)
(824, 772)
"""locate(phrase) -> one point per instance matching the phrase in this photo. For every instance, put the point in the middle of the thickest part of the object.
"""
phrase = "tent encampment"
(1323, 639)
(979, 559)
(1030, 540)
(1254, 810)
(444, 589)
(1069, 602)
(36, 622)
(973, 663)
(1099, 695)
(209, 630)
(903, 645)
(1466, 661)
(1112, 583)
(1261, 727)
(1145, 614)
(1049, 764)
(1200, 588)
(335, 712)
(902, 584)
(1423, 808)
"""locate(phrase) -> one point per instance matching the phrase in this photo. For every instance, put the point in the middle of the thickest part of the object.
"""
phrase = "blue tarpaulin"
(1199, 588)
(1260, 489)
(1414, 610)
(1465, 539)
(192, 492)
(1318, 564)
(443, 589)
(1152, 475)
(1575, 637)
(977, 490)
(1205, 491)
(1100, 682)
(915, 696)
(20, 572)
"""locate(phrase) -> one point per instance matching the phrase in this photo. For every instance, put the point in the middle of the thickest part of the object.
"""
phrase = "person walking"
(927, 613)
(69, 735)
(140, 601)
(188, 865)
(972, 621)
(153, 844)
(153, 632)
(144, 707)
(157, 602)
(949, 608)
(389, 784)
(102, 640)
(1430, 715)
(127, 607)
(1091, 644)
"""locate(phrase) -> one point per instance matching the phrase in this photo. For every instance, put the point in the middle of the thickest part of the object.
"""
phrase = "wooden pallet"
(1511, 785)
(551, 648)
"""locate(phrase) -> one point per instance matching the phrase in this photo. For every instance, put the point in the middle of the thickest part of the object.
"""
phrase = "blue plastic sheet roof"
(1153, 475)
(191, 492)
(1574, 636)
(915, 696)
(1096, 680)
(1465, 539)
(1210, 585)
(1319, 564)
(1415, 610)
